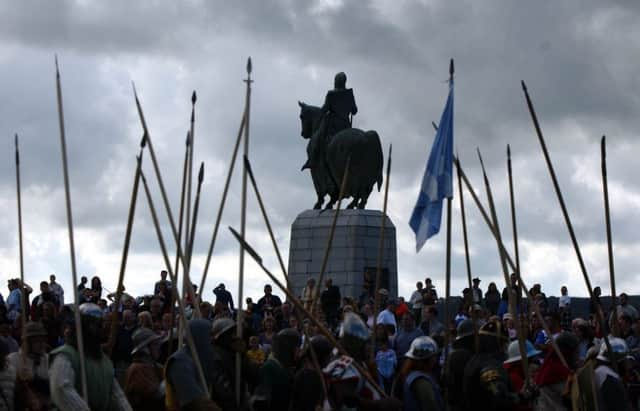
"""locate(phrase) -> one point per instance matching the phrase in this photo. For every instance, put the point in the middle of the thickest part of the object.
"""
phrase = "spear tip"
(188, 140)
(451, 68)
(603, 146)
(55, 58)
(201, 173)
(194, 98)
(524, 86)
(143, 142)
(509, 151)
(249, 66)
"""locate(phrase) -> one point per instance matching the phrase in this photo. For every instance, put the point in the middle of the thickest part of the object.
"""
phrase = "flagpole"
(23, 294)
(125, 252)
(607, 219)
(489, 224)
(448, 256)
(567, 219)
(505, 271)
(243, 228)
(72, 252)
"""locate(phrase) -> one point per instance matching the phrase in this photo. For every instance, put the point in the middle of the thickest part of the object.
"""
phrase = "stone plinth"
(354, 251)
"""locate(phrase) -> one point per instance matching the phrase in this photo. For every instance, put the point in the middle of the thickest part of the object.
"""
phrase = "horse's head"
(309, 116)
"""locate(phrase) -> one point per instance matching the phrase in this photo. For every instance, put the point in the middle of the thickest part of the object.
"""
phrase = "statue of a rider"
(339, 105)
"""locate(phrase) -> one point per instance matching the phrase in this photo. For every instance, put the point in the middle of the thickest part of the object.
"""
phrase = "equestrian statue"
(333, 144)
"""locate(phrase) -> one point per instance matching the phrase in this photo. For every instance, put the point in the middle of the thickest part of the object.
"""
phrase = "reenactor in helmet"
(347, 388)
(103, 390)
(610, 388)
(421, 391)
(463, 350)
(143, 380)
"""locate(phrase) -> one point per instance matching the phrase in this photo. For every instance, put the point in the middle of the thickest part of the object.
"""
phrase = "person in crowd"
(463, 348)
(308, 392)
(585, 334)
(330, 302)
(387, 317)
(57, 290)
(124, 342)
(367, 315)
(625, 307)
(595, 302)
(267, 334)
(143, 384)
(14, 299)
(276, 374)
(430, 288)
(492, 299)
(564, 308)
(401, 307)
(406, 334)
(476, 291)
(308, 294)
(184, 389)
(420, 388)
(386, 364)
(163, 285)
(7, 379)
(416, 302)
(268, 302)
(83, 283)
(31, 363)
(145, 320)
(103, 389)
(430, 325)
(255, 353)
(610, 387)
(52, 326)
(45, 296)
(96, 290)
(223, 296)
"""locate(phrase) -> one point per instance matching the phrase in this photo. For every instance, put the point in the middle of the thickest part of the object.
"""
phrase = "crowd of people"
(139, 355)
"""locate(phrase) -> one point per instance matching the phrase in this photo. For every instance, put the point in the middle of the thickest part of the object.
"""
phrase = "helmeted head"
(143, 340)
(222, 331)
(354, 335)
(322, 348)
(513, 352)
(92, 316)
(36, 337)
(340, 81)
(422, 348)
(286, 346)
(493, 337)
(619, 349)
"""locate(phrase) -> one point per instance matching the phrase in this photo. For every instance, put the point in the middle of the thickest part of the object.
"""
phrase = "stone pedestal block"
(354, 252)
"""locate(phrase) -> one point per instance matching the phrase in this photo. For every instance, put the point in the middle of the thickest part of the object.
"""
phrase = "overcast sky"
(577, 57)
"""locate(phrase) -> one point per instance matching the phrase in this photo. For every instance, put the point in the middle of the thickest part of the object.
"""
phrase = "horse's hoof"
(317, 206)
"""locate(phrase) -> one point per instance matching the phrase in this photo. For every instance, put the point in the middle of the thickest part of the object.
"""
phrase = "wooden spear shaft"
(505, 271)
(376, 297)
(180, 224)
(191, 236)
(187, 289)
(125, 252)
(565, 214)
(165, 255)
(607, 219)
(474, 318)
(291, 297)
(489, 224)
(72, 252)
(23, 294)
(243, 230)
(327, 250)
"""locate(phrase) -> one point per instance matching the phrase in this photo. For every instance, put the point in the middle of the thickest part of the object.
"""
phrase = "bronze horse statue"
(328, 153)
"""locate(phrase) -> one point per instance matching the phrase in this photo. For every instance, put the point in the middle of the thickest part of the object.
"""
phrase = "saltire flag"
(437, 180)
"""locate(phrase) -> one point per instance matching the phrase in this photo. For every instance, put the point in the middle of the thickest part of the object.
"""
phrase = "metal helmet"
(353, 326)
(221, 325)
(321, 346)
(422, 348)
(91, 310)
(340, 80)
(513, 351)
(142, 338)
(619, 349)
(34, 329)
(464, 329)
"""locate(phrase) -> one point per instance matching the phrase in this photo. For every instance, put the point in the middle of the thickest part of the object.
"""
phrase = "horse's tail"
(380, 158)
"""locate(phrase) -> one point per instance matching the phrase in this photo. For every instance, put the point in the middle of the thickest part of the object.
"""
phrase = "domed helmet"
(34, 329)
(513, 351)
(142, 338)
(422, 348)
(619, 349)
(354, 334)
(464, 329)
(221, 326)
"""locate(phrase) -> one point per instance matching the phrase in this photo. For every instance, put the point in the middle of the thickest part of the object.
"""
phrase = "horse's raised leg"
(318, 204)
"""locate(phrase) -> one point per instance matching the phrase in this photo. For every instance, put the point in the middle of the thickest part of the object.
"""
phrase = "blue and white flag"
(437, 180)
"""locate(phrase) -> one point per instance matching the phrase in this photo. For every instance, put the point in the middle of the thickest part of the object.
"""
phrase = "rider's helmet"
(354, 334)
(340, 81)
(422, 348)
